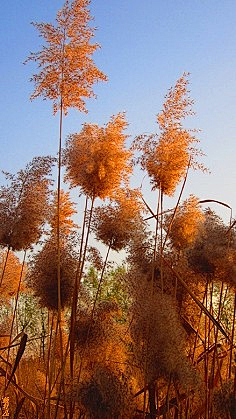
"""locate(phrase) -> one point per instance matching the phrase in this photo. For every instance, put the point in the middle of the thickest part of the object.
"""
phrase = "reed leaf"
(214, 200)
(18, 356)
(197, 301)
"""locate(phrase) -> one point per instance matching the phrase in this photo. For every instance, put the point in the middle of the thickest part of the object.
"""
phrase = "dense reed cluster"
(79, 336)
(159, 338)
(224, 402)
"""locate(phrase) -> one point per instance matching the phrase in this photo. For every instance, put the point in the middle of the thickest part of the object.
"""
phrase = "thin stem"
(71, 338)
(232, 338)
(156, 230)
(58, 225)
(48, 380)
(215, 354)
(93, 310)
(79, 273)
(101, 279)
(58, 217)
(86, 240)
(5, 265)
(177, 204)
(152, 291)
(161, 247)
(14, 314)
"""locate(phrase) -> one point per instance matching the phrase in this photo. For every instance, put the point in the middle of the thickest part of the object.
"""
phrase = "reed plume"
(67, 71)
(96, 159)
(12, 270)
(95, 332)
(67, 211)
(42, 275)
(158, 338)
(106, 395)
(211, 249)
(114, 224)
(166, 156)
(24, 204)
(186, 225)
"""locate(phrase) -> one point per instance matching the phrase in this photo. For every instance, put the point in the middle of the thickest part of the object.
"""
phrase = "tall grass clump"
(152, 338)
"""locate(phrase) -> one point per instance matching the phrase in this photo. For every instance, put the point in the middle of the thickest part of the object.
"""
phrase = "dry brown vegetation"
(78, 338)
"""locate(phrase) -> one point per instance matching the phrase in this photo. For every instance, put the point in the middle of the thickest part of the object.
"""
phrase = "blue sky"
(146, 45)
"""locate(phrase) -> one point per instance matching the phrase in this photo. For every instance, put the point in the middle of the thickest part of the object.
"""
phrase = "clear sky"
(146, 45)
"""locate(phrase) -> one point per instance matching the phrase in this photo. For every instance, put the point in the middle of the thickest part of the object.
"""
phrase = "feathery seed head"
(24, 204)
(66, 224)
(115, 224)
(11, 277)
(96, 159)
(96, 330)
(43, 274)
(95, 258)
(67, 71)
(158, 339)
(89, 332)
(186, 224)
(106, 395)
(167, 156)
(211, 246)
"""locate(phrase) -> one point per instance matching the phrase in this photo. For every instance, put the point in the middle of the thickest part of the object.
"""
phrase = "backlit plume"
(66, 213)
(12, 272)
(42, 275)
(67, 71)
(166, 156)
(115, 224)
(24, 204)
(96, 158)
(187, 223)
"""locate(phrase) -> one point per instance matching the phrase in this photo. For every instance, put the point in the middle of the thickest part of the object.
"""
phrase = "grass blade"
(18, 356)
(198, 302)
